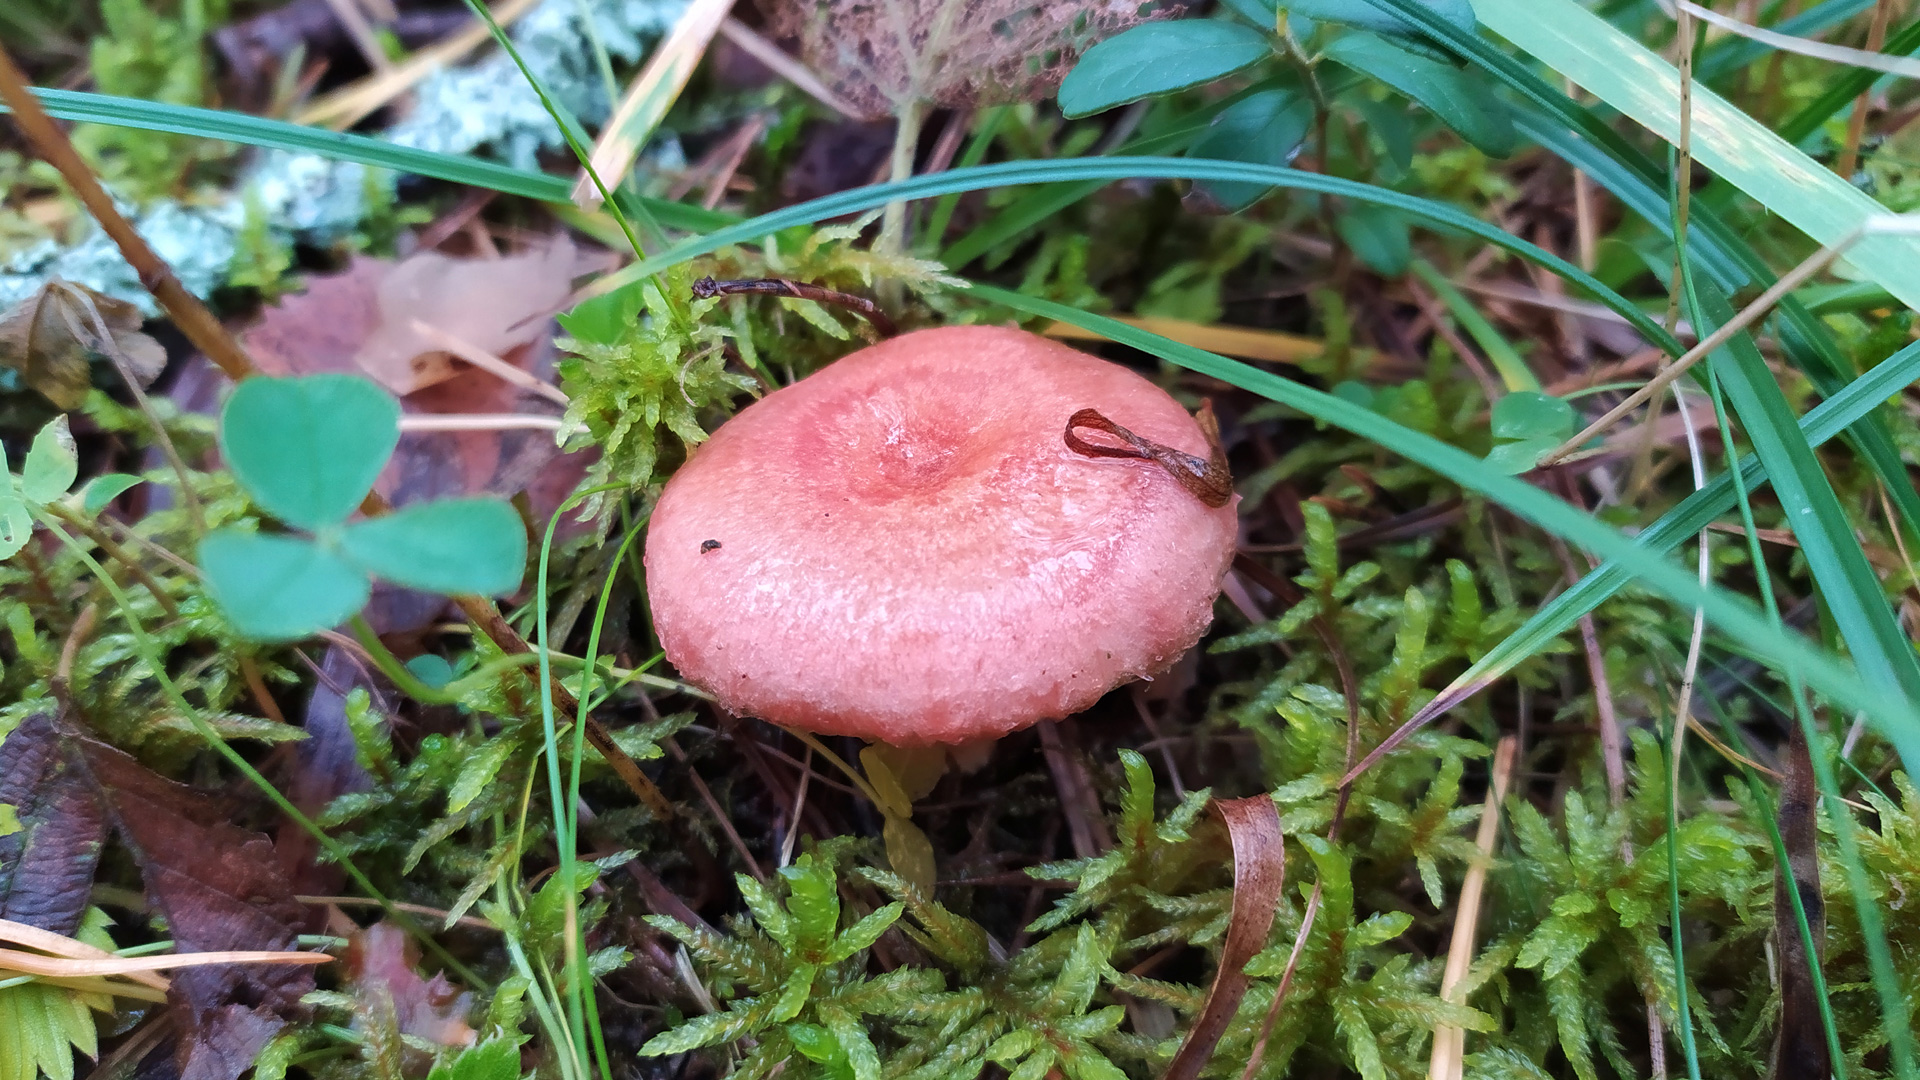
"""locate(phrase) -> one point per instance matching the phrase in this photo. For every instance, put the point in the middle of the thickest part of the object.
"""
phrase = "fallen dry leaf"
(381, 961)
(880, 56)
(1259, 877)
(46, 869)
(357, 321)
(220, 889)
(51, 338)
(362, 320)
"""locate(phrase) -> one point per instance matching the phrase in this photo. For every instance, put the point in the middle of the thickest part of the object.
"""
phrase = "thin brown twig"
(1788, 282)
(1857, 122)
(52, 144)
(707, 288)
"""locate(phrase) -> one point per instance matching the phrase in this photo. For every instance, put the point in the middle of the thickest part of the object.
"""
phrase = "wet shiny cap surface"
(902, 547)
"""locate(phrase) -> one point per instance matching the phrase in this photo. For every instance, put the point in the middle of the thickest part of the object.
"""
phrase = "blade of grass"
(1107, 169)
(1612, 66)
(1730, 53)
(1513, 370)
(653, 92)
(1782, 858)
(258, 131)
(1845, 87)
(1897, 716)
(575, 136)
(1581, 138)
(1851, 590)
(1893, 1007)
(1824, 422)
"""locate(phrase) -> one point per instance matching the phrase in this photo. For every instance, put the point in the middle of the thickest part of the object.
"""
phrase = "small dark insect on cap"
(709, 545)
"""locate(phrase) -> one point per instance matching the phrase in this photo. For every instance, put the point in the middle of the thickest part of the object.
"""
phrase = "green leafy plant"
(308, 450)
(1526, 424)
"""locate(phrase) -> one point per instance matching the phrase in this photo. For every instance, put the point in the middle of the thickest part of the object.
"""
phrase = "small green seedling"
(45, 477)
(308, 450)
(1526, 424)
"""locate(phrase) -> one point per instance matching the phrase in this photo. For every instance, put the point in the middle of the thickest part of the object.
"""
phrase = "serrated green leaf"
(1159, 58)
(495, 1059)
(477, 771)
(308, 449)
(711, 1029)
(1380, 929)
(1079, 977)
(1012, 1045)
(861, 1053)
(476, 546)
(279, 588)
(793, 996)
(766, 911)
(1083, 1062)
(52, 463)
(863, 934)
(813, 903)
(1035, 1066)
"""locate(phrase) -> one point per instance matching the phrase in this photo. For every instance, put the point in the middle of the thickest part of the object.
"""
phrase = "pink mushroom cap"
(902, 547)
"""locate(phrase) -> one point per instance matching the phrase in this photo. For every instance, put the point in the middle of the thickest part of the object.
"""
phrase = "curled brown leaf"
(1259, 877)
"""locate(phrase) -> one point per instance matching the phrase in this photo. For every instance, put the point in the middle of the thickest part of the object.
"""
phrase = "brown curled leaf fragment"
(1208, 479)
(707, 288)
(1259, 877)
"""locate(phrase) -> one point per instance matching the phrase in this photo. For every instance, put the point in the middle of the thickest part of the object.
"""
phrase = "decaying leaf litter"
(535, 848)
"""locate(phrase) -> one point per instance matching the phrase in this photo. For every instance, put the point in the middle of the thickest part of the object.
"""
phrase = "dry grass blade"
(795, 72)
(1788, 282)
(352, 103)
(1449, 1042)
(1272, 346)
(1259, 877)
(1868, 58)
(488, 362)
(648, 99)
(59, 945)
(27, 963)
(478, 422)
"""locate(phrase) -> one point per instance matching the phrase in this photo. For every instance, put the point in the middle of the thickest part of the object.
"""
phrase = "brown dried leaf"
(381, 961)
(46, 869)
(221, 890)
(881, 55)
(1259, 877)
(362, 320)
(51, 338)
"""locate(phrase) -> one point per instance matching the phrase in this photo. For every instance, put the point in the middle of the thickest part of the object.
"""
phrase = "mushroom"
(917, 545)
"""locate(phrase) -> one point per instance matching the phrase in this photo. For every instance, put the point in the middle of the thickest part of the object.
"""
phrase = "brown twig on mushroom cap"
(707, 288)
(1209, 480)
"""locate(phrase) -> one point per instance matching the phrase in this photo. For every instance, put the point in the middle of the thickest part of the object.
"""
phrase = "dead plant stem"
(1792, 280)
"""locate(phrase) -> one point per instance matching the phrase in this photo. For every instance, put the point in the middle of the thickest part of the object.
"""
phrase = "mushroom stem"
(1208, 479)
(707, 288)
